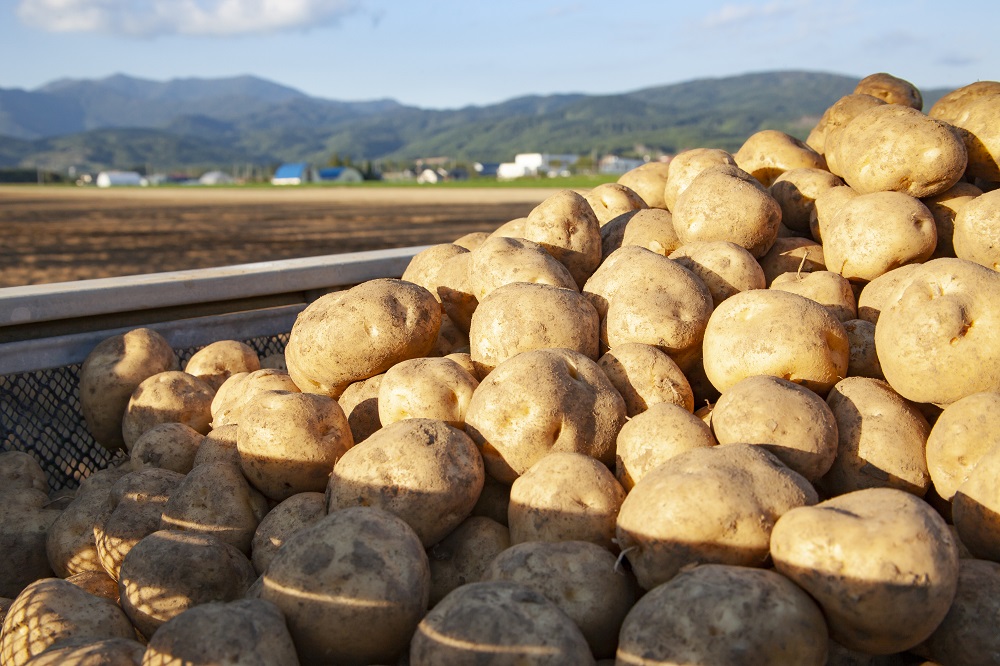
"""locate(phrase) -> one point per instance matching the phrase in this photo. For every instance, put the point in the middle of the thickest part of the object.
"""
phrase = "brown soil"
(58, 234)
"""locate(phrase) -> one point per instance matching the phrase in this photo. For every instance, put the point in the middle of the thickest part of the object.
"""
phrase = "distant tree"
(335, 161)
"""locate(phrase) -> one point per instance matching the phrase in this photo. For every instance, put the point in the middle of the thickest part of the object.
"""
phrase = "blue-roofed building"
(293, 173)
(340, 174)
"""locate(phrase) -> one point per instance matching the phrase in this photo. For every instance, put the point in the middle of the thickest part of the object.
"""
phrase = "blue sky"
(451, 53)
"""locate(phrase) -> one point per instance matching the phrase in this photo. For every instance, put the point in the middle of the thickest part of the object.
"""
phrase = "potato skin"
(768, 154)
(686, 166)
(217, 362)
(964, 432)
(967, 636)
(168, 397)
(977, 230)
(653, 437)
(567, 227)
(648, 181)
(892, 89)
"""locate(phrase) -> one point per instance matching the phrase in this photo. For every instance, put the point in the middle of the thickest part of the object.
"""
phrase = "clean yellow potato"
(648, 180)
(788, 420)
(352, 587)
(425, 266)
(217, 362)
(609, 200)
(651, 228)
(464, 555)
(972, 110)
(241, 389)
(432, 388)
(645, 376)
(792, 255)
(977, 230)
(651, 438)
(579, 577)
(565, 496)
(796, 191)
(168, 397)
(937, 336)
(351, 335)
(771, 332)
(281, 522)
(709, 505)
(500, 261)
(567, 227)
(172, 446)
(944, 207)
(542, 401)
(834, 119)
(455, 290)
(875, 294)
(724, 267)
(881, 563)
(289, 442)
(826, 206)
(881, 439)
(864, 358)
(967, 636)
(964, 432)
(829, 289)
(892, 89)
(897, 148)
(498, 622)
(731, 615)
(360, 404)
(768, 154)
(975, 507)
(111, 372)
(422, 470)
(726, 203)
(685, 167)
(522, 316)
(874, 233)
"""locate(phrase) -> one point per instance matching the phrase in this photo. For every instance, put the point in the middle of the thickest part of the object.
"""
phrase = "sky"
(453, 53)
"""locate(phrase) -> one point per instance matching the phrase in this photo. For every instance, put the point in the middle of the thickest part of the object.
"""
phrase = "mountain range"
(191, 123)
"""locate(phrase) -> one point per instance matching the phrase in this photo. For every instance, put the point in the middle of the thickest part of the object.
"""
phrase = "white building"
(536, 164)
(613, 164)
(119, 179)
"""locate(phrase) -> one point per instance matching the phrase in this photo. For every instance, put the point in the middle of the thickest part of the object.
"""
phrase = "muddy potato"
(24, 523)
(977, 229)
(219, 445)
(651, 438)
(835, 118)
(967, 636)
(609, 200)
(501, 260)
(422, 470)
(796, 191)
(565, 496)
(875, 294)
(111, 372)
(724, 267)
(944, 207)
(715, 504)
(351, 335)
(360, 404)
(497, 622)
(685, 167)
(240, 389)
(567, 227)
(432, 388)
(19, 469)
(937, 336)
(864, 359)
(975, 508)
(973, 110)
(651, 228)
(289, 442)
(829, 289)
(282, 522)
(217, 362)
(92, 652)
(172, 446)
(581, 578)
(964, 432)
(770, 332)
(543, 401)
(792, 255)
(880, 562)
(70, 543)
(648, 180)
(768, 154)
(645, 376)
(168, 397)
(463, 556)
(826, 206)
(425, 267)
(891, 89)
(732, 615)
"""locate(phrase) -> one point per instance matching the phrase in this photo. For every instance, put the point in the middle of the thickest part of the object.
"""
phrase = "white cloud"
(141, 18)
(731, 14)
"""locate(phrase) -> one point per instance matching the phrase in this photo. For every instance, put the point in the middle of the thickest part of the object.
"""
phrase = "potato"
(463, 556)
(944, 207)
(645, 376)
(826, 206)
(425, 266)
(23, 527)
(964, 432)
(728, 204)
(282, 522)
(787, 419)
(217, 362)
(579, 577)
(731, 615)
(975, 508)
(724, 267)
(98, 583)
(511, 229)
(685, 167)
(891, 89)
(501, 260)
(360, 404)
(651, 228)
(834, 119)
(613, 232)
(651, 438)
(876, 293)
(792, 255)
(158, 583)
(565, 496)
(497, 622)
(542, 401)
(770, 332)
(977, 229)
(111, 372)
(168, 397)
(880, 562)
(864, 359)
(450, 338)
(219, 445)
(936, 337)
(768, 154)
(609, 200)
(51, 612)
(432, 388)
(242, 388)
(351, 335)
(972, 109)
(708, 505)
(172, 446)
(352, 586)
(921, 157)
(829, 289)
(70, 542)
(455, 290)
(19, 469)
(91, 652)
(567, 227)
(967, 636)
(493, 501)
(648, 180)
(796, 191)
(245, 631)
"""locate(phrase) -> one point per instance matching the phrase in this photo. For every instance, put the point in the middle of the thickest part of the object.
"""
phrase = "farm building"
(120, 179)
(613, 164)
(216, 178)
(293, 173)
(536, 164)
(341, 174)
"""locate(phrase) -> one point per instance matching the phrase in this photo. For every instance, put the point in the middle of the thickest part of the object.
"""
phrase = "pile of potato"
(738, 409)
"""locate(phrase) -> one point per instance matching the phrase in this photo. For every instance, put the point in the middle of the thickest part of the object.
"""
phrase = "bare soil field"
(59, 234)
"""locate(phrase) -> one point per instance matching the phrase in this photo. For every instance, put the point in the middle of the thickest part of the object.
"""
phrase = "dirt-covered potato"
(579, 577)
(511, 229)
(567, 227)
(771, 332)
(609, 200)
(351, 335)
(464, 555)
(502, 260)
(425, 266)
(172, 446)
(111, 372)
(967, 636)
(219, 445)
(728, 204)
(792, 255)
(648, 180)
(685, 167)
(891, 89)
(431, 388)
(977, 229)
(497, 622)
(975, 508)
(944, 207)
(826, 206)
(724, 267)
(522, 316)
(731, 615)
(360, 404)
(768, 154)
(471, 240)
(565, 496)
(822, 138)
(158, 581)
(864, 359)
(283, 521)
(796, 191)
(70, 542)
(921, 157)
(493, 501)
(829, 289)
(50, 612)
(242, 388)
(937, 336)
(713, 504)
(168, 397)
(876, 293)
(972, 109)
(651, 228)
(880, 562)
(289, 442)
(19, 469)
(645, 376)
(422, 470)
(352, 586)
(217, 362)
(93, 652)
(653, 437)
(24, 523)
(542, 401)
(964, 432)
